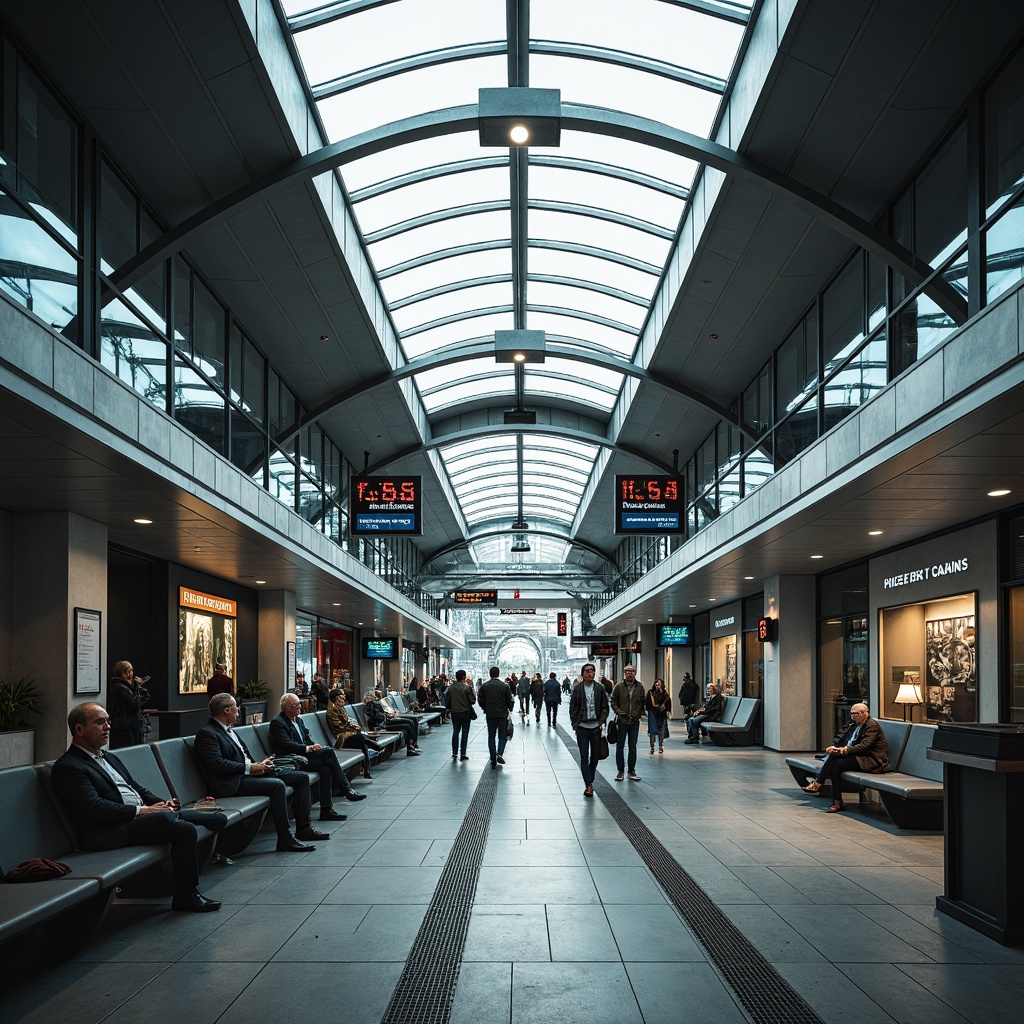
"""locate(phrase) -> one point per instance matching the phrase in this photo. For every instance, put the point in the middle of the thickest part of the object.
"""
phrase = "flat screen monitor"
(675, 634)
(380, 648)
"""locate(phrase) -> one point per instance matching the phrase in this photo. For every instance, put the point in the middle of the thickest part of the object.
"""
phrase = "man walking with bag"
(628, 705)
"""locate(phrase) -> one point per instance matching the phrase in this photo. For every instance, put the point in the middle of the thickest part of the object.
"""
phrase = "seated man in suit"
(229, 768)
(289, 735)
(110, 809)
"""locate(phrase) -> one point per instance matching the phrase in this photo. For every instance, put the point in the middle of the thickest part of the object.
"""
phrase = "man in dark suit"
(229, 768)
(110, 809)
(289, 735)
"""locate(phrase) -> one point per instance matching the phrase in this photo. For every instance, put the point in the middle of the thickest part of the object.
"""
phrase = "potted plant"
(253, 699)
(18, 698)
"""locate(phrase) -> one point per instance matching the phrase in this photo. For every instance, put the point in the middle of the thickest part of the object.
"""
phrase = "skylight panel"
(452, 303)
(483, 263)
(476, 227)
(541, 293)
(481, 326)
(577, 227)
(560, 263)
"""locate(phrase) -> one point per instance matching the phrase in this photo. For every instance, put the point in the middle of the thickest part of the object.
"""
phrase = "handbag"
(472, 713)
(510, 729)
(603, 749)
(298, 762)
(613, 731)
(38, 869)
(664, 730)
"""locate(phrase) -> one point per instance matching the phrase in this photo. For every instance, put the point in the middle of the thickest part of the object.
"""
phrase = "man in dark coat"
(496, 701)
(289, 735)
(109, 809)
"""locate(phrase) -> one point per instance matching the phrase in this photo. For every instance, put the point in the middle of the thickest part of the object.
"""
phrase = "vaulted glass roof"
(467, 240)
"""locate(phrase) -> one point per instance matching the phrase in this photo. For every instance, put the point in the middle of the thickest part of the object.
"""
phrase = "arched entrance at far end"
(520, 651)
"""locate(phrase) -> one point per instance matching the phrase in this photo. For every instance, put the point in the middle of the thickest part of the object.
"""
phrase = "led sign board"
(649, 504)
(604, 650)
(675, 634)
(563, 623)
(380, 648)
(477, 597)
(382, 505)
(766, 630)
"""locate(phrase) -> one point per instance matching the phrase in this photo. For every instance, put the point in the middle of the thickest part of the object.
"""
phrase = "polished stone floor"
(568, 924)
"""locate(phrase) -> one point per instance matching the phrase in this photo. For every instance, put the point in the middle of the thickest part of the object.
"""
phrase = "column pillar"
(790, 664)
(276, 627)
(59, 563)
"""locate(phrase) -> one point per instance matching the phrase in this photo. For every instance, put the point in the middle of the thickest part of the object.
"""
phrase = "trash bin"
(984, 824)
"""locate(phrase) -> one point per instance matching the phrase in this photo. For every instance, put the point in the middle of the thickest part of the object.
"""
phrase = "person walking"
(459, 698)
(536, 694)
(523, 691)
(628, 705)
(659, 707)
(552, 698)
(496, 701)
(588, 712)
(688, 694)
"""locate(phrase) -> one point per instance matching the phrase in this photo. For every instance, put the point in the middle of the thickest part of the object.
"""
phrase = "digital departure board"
(383, 505)
(604, 650)
(675, 634)
(380, 648)
(649, 504)
(487, 598)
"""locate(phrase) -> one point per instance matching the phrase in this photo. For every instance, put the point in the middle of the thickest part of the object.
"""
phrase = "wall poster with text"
(206, 636)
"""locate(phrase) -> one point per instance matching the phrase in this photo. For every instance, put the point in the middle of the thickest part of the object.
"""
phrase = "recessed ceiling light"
(693, 606)
(1002, 492)
(519, 133)
(748, 577)
(650, 620)
(337, 604)
(875, 533)
(143, 522)
(817, 556)
(712, 598)
(259, 581)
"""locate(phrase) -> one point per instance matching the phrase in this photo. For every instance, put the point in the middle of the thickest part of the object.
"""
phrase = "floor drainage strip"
(761, 990)
(426, 988)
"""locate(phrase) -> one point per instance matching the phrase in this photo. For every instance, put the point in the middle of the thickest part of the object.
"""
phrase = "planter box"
(17, 748)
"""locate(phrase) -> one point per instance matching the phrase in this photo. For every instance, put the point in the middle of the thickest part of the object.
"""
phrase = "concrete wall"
(790, 665)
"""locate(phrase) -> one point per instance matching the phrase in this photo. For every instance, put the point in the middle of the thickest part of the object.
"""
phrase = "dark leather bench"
(401, 703)
(388, 743)
(393, 740)
(913, 794)
(736, 726)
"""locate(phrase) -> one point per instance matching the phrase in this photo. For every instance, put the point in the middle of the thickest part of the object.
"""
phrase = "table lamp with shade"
(908, 694)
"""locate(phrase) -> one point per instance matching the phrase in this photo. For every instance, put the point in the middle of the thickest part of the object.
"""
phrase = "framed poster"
(206, 635)
(952, 672)
(88, 663)
(289, 658)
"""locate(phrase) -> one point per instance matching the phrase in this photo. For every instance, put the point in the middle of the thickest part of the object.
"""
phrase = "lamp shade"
(908, 693)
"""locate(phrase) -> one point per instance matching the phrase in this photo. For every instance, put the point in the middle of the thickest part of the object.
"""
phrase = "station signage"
(649, 504)
(481, 598)
(604, 650)
(518, 611)
(563, 623)
(386, 505)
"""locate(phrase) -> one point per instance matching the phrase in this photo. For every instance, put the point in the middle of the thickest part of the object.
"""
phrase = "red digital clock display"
(385, 505)
(649, 504)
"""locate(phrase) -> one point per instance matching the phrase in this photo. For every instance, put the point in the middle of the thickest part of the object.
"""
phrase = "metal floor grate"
(427, 986)
(761, 990)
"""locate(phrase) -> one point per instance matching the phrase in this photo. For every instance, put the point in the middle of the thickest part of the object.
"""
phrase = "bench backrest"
(142, 763)
(396, 703)
(357, 711)
(180, 768)
(914, 760)
(746, 713)
(732, 705)
(896, 734)
(30, 826)
(316, 723)
(251, 740)
(262, 733)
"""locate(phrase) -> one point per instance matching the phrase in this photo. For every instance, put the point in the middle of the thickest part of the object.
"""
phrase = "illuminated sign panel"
(649, 504)
(380, 648)
(563, 623)
(766, 630)
(478, 597)
(383, 505)
(675, 634)
(604, 650)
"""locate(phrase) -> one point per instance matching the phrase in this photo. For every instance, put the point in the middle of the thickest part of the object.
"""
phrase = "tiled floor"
(568, 924)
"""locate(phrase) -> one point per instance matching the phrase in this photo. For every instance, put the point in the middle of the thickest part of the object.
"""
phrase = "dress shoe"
(619, 777)
(353, 796)
(500, 759)
(195, 902)
(310, 834)
(633, 777)
(691, 741)
(332, 815)
(412, 752)
(464, 757)
(589, 791)
(292, 845)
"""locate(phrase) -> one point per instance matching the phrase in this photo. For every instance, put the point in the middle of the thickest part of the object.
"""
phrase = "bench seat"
(736, 727)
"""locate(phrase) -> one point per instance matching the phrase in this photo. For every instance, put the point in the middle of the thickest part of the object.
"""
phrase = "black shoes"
(353, 796)
(311, 835)
(195, 902)
(412, 752)
(500, 759)
(292, 845)
(464, 757)
(332, 815)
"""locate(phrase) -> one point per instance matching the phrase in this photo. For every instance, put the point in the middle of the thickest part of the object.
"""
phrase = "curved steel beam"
(503, 532)
(484, 350)
(575, 117)
(500, 429)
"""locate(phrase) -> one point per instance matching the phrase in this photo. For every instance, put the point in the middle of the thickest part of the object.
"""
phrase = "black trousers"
(357, 741)
(460, 732)
(831, 768)
(589, 742)
(326, 764)
(263, 785)
(178, 829)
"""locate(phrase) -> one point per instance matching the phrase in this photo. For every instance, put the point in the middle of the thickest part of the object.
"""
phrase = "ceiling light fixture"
(748, 577)
(259, 581)
(519, 134)
(143, 522)
(1002, 492)
(875, 533)
(817, 556)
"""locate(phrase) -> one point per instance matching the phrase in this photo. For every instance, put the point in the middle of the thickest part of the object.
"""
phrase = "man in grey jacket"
(496, 701)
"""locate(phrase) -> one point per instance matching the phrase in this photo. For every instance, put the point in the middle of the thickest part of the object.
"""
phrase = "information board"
(649, 504)
(382, 505)
(477, 597)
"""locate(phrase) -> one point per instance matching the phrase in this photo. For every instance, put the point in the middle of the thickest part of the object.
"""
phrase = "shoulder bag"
(613, 731)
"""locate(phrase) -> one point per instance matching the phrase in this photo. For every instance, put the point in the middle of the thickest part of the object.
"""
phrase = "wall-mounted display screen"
(386, 505)
(488, 598)
(380, 648)
(649, 504)
(604, 650)
(675, 634)
(766, 630)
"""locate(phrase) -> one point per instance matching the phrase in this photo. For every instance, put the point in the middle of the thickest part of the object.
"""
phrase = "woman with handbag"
(459, 698)
(659, 707)
(588, 711)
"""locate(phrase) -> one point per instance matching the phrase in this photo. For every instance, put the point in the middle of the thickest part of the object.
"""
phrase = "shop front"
(726, 628)
(936, 609)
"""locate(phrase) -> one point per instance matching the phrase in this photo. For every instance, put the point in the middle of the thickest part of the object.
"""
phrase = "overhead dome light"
(519, 357)
(1001, 493)
(519, 133)
(875, 533)
(143, 522)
